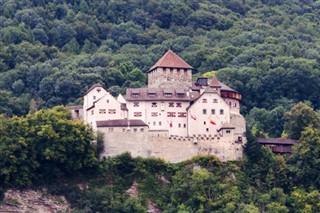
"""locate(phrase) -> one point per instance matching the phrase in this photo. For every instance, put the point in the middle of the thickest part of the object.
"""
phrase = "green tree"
(300, 117)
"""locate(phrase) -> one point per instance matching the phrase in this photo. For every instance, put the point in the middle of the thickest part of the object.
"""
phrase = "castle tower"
(170, 72)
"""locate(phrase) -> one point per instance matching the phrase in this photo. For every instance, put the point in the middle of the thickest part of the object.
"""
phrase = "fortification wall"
(171, 149)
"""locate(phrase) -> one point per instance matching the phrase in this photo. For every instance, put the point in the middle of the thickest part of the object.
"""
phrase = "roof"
(214, 82)
(170, 60)
(156, 94)
(76, 107)
(226, 126)
(94, 86)
(277, 141)
(226, 88)
(121, 123)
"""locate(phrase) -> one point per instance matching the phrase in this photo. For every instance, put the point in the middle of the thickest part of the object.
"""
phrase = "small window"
(171, 71)
(154, 104)
(179, 125)
(204, 111)
(171, 114)
(230, 104)
(154, 114)
(102, 111)
(235, 104)
(207, 129)
(168, 95)
(178, 72)
(92, 112)
(137, 114)
(135, 104)
(171, 104)
(182, 114)
(186, 72)
(215, 100)
(135, 95)
(160, 123)
(112, 111)
(135, 129)
(94, 97)
(204, 100)
(184, 125)
(213, 111)
(141, 130)
(178, 104)
(107, 101)
(154, 123)
(204, 123)
(221, 112)
(228, 131)
(123, 130)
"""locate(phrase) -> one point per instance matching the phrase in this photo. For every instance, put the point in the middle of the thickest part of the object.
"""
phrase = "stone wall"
(170, 78)
(172, 149)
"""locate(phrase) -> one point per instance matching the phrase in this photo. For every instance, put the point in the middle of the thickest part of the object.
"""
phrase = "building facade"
(174, 118)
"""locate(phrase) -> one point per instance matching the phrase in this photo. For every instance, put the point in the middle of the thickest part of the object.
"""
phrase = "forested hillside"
(51, 52)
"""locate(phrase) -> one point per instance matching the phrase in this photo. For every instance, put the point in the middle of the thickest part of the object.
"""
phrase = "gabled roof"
(171, 60)
(94, 86)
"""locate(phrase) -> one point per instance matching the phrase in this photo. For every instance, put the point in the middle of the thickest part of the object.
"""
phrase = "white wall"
(202, 123)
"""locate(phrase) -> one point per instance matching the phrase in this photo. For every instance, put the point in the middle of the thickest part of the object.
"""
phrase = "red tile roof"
(171, 60)
(214, 82)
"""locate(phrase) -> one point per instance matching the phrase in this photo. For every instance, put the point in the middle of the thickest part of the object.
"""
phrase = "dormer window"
(168, 95)
(180, 93)
(152, 93)
(135, 94)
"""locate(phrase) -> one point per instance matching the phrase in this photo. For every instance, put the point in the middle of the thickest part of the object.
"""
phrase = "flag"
(170, 124)
(193, 117)
(212, 121)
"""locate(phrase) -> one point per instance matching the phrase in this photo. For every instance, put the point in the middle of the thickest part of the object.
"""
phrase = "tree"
(304, 162)
(300, 117)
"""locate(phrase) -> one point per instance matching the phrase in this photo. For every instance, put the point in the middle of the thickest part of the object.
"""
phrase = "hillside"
(51, 52)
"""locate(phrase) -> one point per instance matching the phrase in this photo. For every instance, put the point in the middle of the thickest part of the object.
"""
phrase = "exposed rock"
(133, 191)
(152, 208)
(33, 201)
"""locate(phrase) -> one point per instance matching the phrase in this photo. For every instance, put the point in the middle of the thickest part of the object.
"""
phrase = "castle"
(173, 118)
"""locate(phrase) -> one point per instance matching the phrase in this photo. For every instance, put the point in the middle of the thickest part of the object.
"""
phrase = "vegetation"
(51, 52)
(47, 149)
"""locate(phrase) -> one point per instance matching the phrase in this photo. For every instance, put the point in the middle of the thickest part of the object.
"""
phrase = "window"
(102, 111)
(179, 125)
(204, 111)
(110, 129)
(168, 95)
(235, 104)
(184, 125)
(137, 114)
(92, 112)
(186, 72)
(154, 104)
(215, 100)
(204, 123)
(171, 104)
(230, 103)
(182, 114)
(213, 111)
(228, 131)
(154, 114)
(152, 94)
(178, 105)
(98, 90)
(112, 111)
(160, 123)
(178, 72)
(207, 129)
(135, 129)
(123, 130)
(221, 111)
(154, 123)
(171, 71)
(94, 97)
(204, 100)
(135, 104)
(107, 101)
(171, 114)
(180, 95)
(141, 130)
